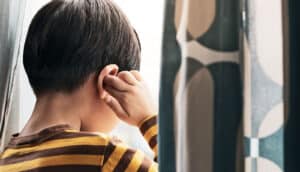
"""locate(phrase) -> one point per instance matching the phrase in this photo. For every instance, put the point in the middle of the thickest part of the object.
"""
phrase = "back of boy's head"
(68, 40)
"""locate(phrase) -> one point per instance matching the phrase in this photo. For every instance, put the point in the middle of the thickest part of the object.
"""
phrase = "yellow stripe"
(136, 162)
(114, 158)
(155, 150)
(153, 167)
(54, 161)
(90, 140)
(151, 132)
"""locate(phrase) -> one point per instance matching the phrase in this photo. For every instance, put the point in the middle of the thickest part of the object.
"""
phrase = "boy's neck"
(53, 110)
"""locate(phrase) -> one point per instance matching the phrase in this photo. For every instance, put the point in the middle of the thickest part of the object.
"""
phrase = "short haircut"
(68, 40)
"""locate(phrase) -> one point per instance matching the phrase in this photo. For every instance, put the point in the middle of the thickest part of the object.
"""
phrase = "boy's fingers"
(128, 77)
(115, 82)
(114, 92)
(137, 75)
(115, 106)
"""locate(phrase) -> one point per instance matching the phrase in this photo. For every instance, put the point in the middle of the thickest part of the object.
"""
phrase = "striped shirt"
(59, 148)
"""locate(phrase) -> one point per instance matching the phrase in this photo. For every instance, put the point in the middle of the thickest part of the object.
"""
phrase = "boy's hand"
(129, 97)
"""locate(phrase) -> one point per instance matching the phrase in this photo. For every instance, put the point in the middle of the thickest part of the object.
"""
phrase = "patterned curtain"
(201, 95)
(226, 86)
(264, 83)
(11, 18)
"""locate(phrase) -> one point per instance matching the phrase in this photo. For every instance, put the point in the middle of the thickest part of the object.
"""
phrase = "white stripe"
(208, 56)
(254, 147)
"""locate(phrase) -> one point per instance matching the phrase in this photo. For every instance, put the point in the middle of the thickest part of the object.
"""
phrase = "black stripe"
(153, 141)
(108, 151)
(38, 139)
(148, 124)
(70, 150)
(125, 160)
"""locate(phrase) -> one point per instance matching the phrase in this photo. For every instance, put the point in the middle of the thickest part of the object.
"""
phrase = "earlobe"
(111, 69)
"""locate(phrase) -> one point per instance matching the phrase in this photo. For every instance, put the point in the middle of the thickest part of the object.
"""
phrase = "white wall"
(146, 17)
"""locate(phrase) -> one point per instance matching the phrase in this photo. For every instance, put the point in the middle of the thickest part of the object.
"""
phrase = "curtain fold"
(231, 87)
(170, 61)
(263, 54)
(204, 94)
(11, 19)
(292, 61)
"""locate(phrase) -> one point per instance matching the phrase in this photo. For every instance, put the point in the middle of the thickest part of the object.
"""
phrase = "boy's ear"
(111, 69)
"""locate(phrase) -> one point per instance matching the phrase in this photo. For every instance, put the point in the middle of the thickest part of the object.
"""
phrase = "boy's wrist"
(149, 130)
(147, 123)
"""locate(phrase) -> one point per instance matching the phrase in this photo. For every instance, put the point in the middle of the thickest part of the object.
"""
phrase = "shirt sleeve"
(149, 130)
(118, 157)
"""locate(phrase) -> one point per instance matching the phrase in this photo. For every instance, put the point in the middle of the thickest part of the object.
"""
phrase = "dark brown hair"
(70, 39)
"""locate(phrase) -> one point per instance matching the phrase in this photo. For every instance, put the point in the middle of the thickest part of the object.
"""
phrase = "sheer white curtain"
(11, 20)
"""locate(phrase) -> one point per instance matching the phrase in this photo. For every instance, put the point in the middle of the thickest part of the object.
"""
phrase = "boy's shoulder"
(98, 139)
(60, 147)
(88, 138)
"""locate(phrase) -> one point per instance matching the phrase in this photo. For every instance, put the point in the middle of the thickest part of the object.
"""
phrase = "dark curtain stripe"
(170, 64)
(292, 129)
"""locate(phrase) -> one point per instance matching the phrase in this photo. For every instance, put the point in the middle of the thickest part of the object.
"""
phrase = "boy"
(81, 58)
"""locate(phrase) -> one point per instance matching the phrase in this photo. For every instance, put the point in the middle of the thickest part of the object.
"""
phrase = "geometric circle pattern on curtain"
(207, 89)
(263, 63)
